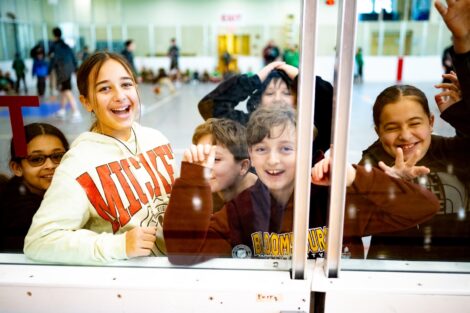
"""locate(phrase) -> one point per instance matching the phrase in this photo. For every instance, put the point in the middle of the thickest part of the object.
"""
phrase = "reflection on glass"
(244, 43)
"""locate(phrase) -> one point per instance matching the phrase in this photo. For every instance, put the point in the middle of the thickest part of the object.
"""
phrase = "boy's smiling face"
(274, 161)
(226, 170)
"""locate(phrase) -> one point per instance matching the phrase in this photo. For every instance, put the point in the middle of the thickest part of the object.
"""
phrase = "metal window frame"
(305, 105)
(342, 97)
(343, 80)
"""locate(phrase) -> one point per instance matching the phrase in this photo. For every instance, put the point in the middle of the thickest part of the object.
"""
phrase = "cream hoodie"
(100, 191)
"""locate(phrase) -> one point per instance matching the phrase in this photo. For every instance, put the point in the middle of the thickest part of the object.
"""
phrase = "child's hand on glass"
(203, 155)
(321, 173)
(404, 169)
(451, 92)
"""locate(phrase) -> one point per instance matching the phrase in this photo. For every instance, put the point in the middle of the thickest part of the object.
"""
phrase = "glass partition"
(113, 193)
(402, 124)
(225, 42)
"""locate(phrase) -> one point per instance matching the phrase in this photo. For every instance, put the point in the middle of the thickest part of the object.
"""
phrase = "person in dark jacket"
(20, 70)
(21, 196)
(128, 53)
(273, 83)
(64, 64)
(174, 54)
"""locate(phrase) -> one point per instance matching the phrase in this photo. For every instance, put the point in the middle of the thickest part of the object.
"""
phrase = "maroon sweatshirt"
(254, 224)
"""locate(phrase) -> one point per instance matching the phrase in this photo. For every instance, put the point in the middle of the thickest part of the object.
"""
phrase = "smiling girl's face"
(37, 178)
(114, 99)
(404, 124)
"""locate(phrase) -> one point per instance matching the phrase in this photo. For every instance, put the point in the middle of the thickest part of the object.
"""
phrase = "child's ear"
(376, 130)
(431, 120)
(245, 166)
(16, 168)
(86, 103)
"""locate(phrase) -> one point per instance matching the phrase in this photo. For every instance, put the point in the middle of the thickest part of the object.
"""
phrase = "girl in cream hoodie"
(108, 196)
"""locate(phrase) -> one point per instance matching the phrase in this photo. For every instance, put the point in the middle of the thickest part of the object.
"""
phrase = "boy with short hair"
(230, 174)
(258, 222)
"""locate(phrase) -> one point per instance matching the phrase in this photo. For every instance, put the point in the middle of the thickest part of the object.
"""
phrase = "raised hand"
(290, 70)
(456, 15)
(404, 170)
(264, 72)
(140, 240)
(321, 173)
(203, 155)
(451, 92)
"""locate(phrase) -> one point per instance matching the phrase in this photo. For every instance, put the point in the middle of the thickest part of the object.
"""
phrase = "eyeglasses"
(36, 160)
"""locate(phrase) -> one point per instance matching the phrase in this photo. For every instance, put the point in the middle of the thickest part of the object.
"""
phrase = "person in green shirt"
(20, 69)
(291, 55)
(359, 65)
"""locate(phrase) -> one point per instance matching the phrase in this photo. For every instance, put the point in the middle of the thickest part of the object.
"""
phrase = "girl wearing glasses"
(110, 192)
(23, 193)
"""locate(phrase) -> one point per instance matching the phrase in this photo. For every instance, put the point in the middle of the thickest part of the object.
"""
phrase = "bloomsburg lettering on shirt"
(266, 244)
(121, 175)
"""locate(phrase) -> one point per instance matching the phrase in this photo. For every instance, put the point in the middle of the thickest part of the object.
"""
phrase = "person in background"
(108, 196)
(162, 79)
(6, 84)
(258, 222)
(446, 61)
(64, 64)
(359, 59)
(226, 59)
(84, 54)
(22, 194)
(291, 55)
(128, 53)
(40, 70)
(230, 174)
(20, 69)
(173, 54)
(271, 52)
